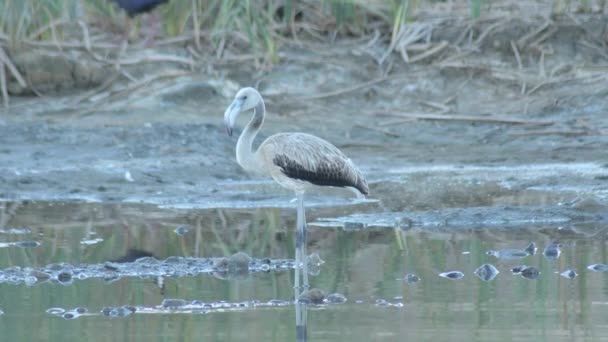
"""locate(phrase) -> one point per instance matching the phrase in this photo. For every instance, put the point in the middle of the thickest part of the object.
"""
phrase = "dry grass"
(221, 31)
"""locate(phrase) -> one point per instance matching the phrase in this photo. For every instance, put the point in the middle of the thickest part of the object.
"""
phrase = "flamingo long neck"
(245, 155)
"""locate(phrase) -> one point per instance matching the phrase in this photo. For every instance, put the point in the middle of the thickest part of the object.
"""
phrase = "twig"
(355, 87)
(153, 58)
(456, 117)
(522, 42)
(85, 35)
(442, 45)
(5, 97)
(11, 67)
(442, 107)
(544, 37)
(76, 45)
(46, 27)
(108, 82)
(195, 23)
(556, 132)
(487, 31)
(517, 57)
(377, 129)
(136, 85)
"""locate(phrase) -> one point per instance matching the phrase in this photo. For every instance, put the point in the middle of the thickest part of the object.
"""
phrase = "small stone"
(336, 298)
(508, 254)
(411, 278)
(453, 275)
(570, 274)
(530, 272)
(598, 267)
(65, 277)
(80, 310)
(531, 249)
(353, 225)
(55, 311)
(486, 272)
(173, 303)
(221, 263)
(69, 315)
(552, 251)
(27, 244)
(518, 269)
(312, 296)
(239, 263)
(182, 230)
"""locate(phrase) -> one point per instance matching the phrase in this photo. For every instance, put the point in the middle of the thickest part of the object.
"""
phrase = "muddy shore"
(163, 143)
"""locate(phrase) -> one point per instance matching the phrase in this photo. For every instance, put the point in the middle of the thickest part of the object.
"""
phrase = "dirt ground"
(501, 93)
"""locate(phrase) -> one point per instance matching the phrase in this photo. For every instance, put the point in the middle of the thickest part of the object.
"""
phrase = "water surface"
(368, 266)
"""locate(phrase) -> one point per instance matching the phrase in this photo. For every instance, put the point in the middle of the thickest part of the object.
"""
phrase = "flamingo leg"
(301, 319)
(301, 237)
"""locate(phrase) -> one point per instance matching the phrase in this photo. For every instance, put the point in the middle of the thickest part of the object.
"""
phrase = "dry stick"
(521, 42)
(496, 119)
(46, 27)
(557, 132)
(197, 29)
(5, 97)
(487, 31)
(592, 46)
(353, 88)
(85, 35)
(544, 37)
(153, 58)
(77, 45)
(131, 88)
(11, 67)
(108, 82)
(377, 129)
(440, 106)
(517, 56)
(541, 65)
(519, 65)
(439, 47)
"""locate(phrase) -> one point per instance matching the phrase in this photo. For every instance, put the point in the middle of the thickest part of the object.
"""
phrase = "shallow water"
(367, 266)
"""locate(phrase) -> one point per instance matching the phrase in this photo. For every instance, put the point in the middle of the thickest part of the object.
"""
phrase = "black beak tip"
(229, 131)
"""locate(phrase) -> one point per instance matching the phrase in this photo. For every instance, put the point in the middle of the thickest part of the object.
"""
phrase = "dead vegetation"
(76, 51)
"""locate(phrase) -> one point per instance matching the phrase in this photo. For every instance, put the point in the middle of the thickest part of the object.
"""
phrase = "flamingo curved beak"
(231, 113)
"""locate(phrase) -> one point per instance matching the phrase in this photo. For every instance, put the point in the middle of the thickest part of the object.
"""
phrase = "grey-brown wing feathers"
(309, 158)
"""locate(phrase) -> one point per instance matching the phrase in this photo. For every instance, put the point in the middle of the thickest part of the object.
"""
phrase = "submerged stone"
(239, 263)
(174, 303)
(69, 315)
(486, 272)
(81, 310)
(552, 251)
(65, 277)
(353, 225)
(336, 298)
(570, 274)
(122, 311)
(508, 254)
(518, 269)
(182, 230)
(278, 302)
(598, 267)
(531, 249)
(312, 296)
(530, 272)
(411, 278)
(454, 275)
(27, 244)
(55, 311)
